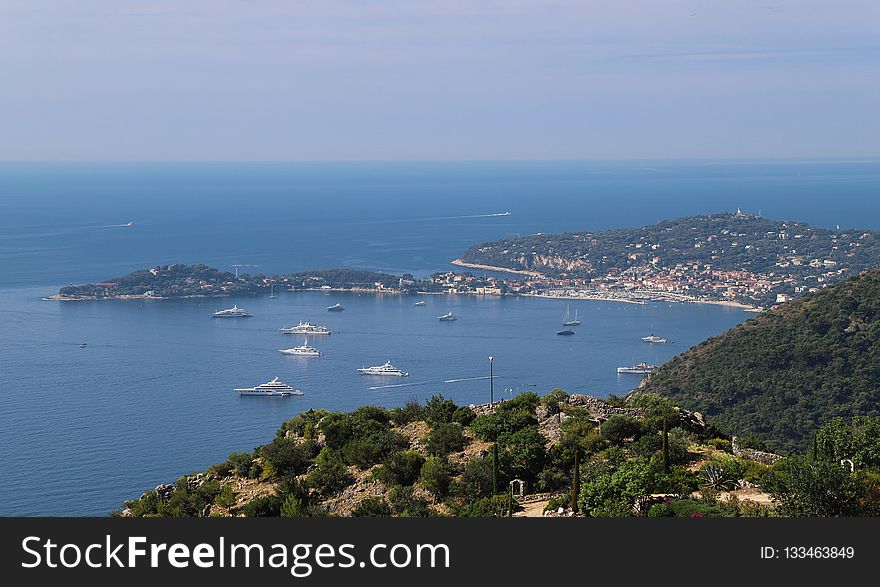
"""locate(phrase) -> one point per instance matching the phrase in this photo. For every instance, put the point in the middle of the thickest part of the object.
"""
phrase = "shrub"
(263, 507)
(618, 428)
(439, 410)
(486, 507)
(330, 473)
(287, 456)
(411, 412)
(435, 476)
(553, 400)
(463, 416)
(475, 481)
(404, 504)
(240, 463)
(401, 468)
(491, 427)
(720, 444)
(226, 497)
(445, 438)
(371, 507)
(302, 424)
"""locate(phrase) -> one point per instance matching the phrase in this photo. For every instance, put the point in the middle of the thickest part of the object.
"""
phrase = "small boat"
(421, 303)
(638, 369)
(337, 307)
(386, 369)
(448, 317)
(83, 345)
(305, 328)
(565, 333)
(655, 339)
(568, 321)
(301, 351)
(233, 312)
(274, 387)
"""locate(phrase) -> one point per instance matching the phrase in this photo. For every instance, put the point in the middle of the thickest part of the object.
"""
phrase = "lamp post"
(491, 382)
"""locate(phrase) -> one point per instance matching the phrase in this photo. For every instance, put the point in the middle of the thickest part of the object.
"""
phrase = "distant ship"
(233, 312)
(567, 320)
(639, 369)
(83, 345)
(274, 387)
(565, 333)
(447, 317)
(301, 351)
(655, 339)
(305, 328)
(421, 303)
(385, 369)
(337, 307)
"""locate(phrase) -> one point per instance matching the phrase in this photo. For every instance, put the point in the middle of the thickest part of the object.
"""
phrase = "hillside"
(786, 372)
(719, 256)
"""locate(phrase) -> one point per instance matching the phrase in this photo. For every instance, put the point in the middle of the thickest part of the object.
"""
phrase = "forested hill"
(786, 372)
(738, 256)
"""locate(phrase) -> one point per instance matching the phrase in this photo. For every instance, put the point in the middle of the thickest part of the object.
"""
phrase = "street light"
(491, 382)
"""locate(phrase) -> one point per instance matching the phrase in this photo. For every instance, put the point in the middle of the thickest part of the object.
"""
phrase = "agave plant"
(718, 479)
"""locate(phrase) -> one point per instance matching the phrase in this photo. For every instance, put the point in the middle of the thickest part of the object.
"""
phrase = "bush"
(263, 507)
(491, 427)
(435, 476)
(362, 437)
(401, 468)
(445, 438)
(439, 410)
(240, 463)
(720, 444)
(618, 428)
(524, 454)
(553, 400)
(226, 497)
(285, 457)
(372, 507)
(411, 412)
(487, 507)
(526, 402)
(463, 416)
(475, 481)
(404, 504)
(330, 473)
(302, 425)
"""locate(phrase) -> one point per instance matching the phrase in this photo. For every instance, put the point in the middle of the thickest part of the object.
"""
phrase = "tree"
(806, 488)
(439, 410)
(619, 427)
(330, 473)
(372, 507)
(401, 468)
(435, 476)
(445, 438)
(286, 456)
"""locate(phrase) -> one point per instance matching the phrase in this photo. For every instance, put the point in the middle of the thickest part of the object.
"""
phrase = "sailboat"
(272, 295)
(567, 321)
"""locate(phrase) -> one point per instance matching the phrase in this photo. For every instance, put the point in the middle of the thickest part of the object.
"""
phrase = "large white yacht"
(448, 317)
(567, 320)
(274, 387)
(386, 369)
(655, 339)
(639, 369)
(233, 312)
(301, 351)
(337, 307)
(305, 328)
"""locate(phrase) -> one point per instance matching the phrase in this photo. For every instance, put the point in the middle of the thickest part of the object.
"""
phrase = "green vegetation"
(648, 463)
(785, 373)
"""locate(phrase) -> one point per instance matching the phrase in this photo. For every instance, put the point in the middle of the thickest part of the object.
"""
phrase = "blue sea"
(150, 398)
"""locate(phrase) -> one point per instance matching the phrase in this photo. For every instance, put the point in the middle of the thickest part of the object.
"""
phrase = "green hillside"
(786, 372)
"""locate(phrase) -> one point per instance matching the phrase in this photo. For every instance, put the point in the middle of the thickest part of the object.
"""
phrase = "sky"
(438, 79)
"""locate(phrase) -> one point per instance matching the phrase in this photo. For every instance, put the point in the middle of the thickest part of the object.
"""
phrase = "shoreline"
(460, 263)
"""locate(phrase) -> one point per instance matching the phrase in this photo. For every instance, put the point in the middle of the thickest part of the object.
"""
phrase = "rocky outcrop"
(767, 458)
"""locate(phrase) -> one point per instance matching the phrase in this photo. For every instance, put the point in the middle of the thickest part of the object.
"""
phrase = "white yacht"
(386, 369)
(421, 303)
(337, 307)
(233, 312)
(301, 351)
(639, 369)
(305, 328)
(274, 387)
(655, 339)
(448, 317)
(567, 320)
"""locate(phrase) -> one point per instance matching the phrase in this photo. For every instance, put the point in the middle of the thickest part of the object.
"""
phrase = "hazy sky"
(432, 79)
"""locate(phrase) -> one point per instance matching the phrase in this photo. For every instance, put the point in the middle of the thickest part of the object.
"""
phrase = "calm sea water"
(149, 398)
